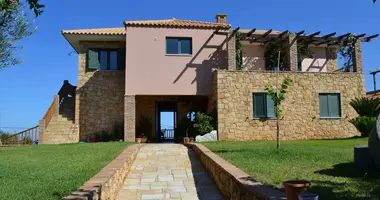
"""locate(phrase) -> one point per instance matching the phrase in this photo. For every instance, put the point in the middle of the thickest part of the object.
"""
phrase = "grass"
(327, 163)
(51, 171)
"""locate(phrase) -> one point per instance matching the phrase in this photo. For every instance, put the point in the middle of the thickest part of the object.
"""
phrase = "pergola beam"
(314, 34)
(250, 32)
(283, 33)
(369, 38)
(343, 36)
(360, 35)
(328, 35)
(262, 36)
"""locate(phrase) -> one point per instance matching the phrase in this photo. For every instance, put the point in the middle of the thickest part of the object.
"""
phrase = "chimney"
(221, 18)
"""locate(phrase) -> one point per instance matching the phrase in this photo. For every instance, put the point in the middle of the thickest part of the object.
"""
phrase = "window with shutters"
(263, 106)
(179, 46)
(106, 59)
(329, 105)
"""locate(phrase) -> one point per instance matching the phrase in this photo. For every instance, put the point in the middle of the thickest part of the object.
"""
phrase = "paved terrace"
(168, 171)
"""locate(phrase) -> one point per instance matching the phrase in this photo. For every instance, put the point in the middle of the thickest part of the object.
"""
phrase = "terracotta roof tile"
(97, 31)
(177, 23)
(259, 31)
(373, 94)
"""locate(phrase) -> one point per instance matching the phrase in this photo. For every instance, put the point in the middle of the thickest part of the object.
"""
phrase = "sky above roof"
(28, 89)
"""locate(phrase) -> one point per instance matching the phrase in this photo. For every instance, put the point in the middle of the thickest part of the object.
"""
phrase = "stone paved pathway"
(168, 171)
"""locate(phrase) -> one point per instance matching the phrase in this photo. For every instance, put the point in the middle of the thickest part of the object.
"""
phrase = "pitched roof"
(97, 31)
(177, 23)
(373, 94)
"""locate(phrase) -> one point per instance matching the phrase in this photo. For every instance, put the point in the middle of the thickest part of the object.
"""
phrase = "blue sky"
(28, 89)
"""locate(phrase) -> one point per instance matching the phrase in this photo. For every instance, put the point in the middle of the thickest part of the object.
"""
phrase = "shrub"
(366, 107)
(27, 140)
(117, 131)
(3, 135)
(364, 124)
(203, 123)
(144, 126)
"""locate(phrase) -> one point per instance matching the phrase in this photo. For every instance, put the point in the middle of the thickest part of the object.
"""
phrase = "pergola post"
(231, 50)
(332, 62)
(129, 118)
(357, 57)
(292, 55)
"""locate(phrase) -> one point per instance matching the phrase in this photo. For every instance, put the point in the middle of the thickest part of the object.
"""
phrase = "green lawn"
(51, 171)
(327, 163)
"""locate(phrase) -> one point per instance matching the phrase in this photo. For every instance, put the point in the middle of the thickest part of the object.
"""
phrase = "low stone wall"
(231, 181)
(105, 185)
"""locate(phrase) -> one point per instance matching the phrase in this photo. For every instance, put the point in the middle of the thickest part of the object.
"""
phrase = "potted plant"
(295, 187)
(143, 129)
(139, 137)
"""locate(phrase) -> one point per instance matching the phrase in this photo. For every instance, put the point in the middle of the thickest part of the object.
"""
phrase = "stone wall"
(105, 185)
(301, 114)
(100, 94)
(232, 182)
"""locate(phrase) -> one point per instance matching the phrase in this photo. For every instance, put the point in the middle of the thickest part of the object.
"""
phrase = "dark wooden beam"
(250, 32)
(361, 35)
(261, 36)
(217, 30)
(328, 35)
(369, 38)
(322, 42)
(343, 36)
(300, 33)
(283, 33)
(235, 30)
(314, 34)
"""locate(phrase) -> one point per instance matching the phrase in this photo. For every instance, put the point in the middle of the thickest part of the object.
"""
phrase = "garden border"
(105, 184)
(232, 181)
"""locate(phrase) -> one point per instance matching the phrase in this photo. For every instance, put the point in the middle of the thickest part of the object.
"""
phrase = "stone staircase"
(58, 124)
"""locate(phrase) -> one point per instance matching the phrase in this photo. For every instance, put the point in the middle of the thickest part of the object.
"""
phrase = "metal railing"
(168, 134)
(29, 136)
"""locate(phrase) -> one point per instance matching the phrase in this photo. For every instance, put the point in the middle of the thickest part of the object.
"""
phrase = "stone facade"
(292, 54)
(130, 118)
(100, 94)
(301, 113)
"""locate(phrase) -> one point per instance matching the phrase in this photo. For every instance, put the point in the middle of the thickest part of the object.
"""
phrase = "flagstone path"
(168, 171)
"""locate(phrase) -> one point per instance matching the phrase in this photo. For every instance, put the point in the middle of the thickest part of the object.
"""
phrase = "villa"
(147, 67)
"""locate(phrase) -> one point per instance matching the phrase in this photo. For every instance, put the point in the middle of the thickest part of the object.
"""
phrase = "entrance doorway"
(166, 120)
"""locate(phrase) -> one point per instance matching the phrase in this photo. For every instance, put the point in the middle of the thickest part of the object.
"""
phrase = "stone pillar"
(292, 55)
(357, 57)
(129, 118)
(231, 51)
(221, 18)
(331, 56)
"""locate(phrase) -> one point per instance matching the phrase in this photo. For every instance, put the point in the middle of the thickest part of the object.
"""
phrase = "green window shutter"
(334, 105)
(323, 105)
(121, 59)
(270, 107)
(259, 105)
(93, 59)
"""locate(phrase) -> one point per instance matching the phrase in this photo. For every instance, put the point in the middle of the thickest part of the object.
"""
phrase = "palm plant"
(366, 107)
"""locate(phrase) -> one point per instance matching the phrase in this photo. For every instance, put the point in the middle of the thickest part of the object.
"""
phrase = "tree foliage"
(203, 123)
(279, 96)
(14, 26)
(239, 51)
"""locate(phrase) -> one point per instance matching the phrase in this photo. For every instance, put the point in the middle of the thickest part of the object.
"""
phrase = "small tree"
(278, 96)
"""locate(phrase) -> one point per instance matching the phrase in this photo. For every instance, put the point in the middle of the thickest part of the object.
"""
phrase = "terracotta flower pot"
(138, 140)
(186, 139)
(144, 139)
(294, 187)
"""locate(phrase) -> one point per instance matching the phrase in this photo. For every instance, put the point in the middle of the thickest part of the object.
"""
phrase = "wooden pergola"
(310, 39)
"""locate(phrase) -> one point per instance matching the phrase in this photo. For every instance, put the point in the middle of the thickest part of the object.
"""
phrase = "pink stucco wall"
(149, 71)
(317, 63)
(253, 57)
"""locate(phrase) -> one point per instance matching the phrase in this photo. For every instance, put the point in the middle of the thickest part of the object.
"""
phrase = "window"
(263, 106)
(329, 105)
(106, 59)
(179, 46)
